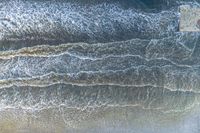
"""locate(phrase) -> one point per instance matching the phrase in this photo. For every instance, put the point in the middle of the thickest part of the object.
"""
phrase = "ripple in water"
(97, 66)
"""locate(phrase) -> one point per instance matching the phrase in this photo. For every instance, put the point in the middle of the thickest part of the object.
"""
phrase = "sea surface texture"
(98, 66)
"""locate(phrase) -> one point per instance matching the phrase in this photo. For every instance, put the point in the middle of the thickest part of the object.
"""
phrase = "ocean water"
(104, 66)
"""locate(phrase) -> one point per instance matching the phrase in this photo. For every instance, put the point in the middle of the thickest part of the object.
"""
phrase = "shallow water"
(97, 66)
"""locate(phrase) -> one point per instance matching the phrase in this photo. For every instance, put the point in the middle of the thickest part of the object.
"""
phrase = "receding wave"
(80, 97)
(69, 62)
(38, 22)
